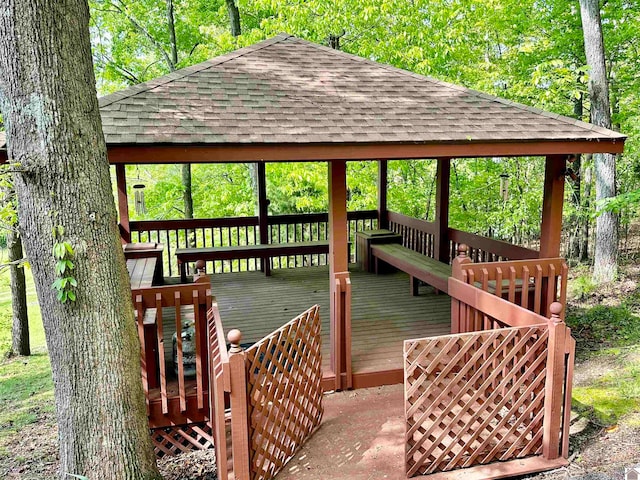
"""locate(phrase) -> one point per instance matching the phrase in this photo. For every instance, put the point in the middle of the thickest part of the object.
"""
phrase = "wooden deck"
(383, 311)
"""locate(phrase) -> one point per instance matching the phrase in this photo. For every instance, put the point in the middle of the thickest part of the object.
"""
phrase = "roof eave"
(288, 152)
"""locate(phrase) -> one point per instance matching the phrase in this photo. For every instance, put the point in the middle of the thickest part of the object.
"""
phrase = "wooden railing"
(174, 234)
(531, 284)
(161, 312)
(484, 249)
(419, 235)
(416, 234)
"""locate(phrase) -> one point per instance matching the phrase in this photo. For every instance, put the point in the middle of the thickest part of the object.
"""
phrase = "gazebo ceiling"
(287, 98)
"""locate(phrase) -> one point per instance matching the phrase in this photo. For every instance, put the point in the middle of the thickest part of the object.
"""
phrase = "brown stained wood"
(284, 389)
(183, 399)
(181, 439)
(461, 413)
(220, 382)
(570, 355)
(143, 353)
(441, 238)
(415, 264)
(551, 226)
(555, 378)
(123, 204)
(496, 247)
(383, 213)
(240, 440)
(163, 154)
(161, 357)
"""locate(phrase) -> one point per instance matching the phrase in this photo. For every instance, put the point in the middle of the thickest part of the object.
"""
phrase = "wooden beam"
(441, 238)
(383, 219)
(551, 227)
(159, 154)
(340, 286)
(123, 203)
(263, 211)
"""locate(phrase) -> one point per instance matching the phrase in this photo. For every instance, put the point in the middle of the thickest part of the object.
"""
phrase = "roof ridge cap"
(487, 96)
(186, 71)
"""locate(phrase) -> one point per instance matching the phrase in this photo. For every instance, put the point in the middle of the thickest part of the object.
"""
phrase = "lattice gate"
(284, 393)
(474, 398)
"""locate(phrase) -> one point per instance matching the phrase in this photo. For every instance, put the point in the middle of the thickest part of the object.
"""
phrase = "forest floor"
(606, 397)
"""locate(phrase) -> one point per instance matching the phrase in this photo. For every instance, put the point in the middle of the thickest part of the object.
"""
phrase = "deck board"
(383, 312)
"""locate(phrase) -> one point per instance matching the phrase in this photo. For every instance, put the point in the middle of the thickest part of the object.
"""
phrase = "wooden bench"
(418, 266)
(142, 271)
(239, 252)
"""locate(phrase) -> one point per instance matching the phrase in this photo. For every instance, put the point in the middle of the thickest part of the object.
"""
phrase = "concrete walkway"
(361, 438)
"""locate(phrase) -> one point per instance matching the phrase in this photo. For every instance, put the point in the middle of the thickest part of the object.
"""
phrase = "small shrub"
(582, 287)
(605, 326)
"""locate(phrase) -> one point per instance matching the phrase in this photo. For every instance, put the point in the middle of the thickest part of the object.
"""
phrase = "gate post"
(554, 384)
(239, 407)
(456, 272)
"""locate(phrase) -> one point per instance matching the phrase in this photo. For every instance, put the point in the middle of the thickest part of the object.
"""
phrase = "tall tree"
(606, 245)
(234, 18)
(20, 325)
(68, 225)
(9, 220)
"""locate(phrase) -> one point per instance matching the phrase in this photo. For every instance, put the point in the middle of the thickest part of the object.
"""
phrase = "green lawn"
(26, 389)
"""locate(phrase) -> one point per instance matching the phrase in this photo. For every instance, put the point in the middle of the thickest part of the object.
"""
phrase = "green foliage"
(604, 326)
(582, 287)
(63, 252)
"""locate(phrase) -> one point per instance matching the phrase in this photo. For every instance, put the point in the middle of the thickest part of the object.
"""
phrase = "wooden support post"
(340, 297)
(123, 203)
(456, 272)
(553, 399)
(263, 211)
(551, 227)
(239, 407)
(441, 247)
(383, 214)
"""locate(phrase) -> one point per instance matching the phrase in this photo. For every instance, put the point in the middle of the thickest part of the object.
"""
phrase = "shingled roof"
(290, 91)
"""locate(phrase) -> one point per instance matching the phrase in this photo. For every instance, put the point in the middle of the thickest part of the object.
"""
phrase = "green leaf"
(71, 295)
(61, 266)
(69, 248)
(57, 285)
(73, 282)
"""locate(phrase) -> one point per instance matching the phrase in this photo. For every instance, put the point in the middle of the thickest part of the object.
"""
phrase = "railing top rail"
(168, 294)
(141, 225)
(502, 310)
(215, 323)
(492, 268)
(411, 222)
(498, 247)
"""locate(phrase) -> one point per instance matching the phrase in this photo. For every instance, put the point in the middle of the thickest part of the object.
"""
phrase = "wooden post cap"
(556, 309)
(234, 336)
(463, 248)
(201, 265)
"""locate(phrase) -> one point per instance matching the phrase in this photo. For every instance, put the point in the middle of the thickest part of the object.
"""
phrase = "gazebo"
(289, 100)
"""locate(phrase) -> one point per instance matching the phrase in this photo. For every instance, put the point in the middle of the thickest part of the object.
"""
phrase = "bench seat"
(418, 266)
(142, 271)
(237, 252)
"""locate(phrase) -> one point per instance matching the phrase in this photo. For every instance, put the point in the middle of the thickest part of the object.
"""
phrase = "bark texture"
(20, 326)
(606, 245)
(234, 17)
(48, 99)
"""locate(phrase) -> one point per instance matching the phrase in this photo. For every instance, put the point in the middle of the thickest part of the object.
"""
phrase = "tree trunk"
(605, 262)
(577, 218)
(187, 198)
(20, 330)
(48, 99)
(172, 35)
(234, 17)
(586, 207)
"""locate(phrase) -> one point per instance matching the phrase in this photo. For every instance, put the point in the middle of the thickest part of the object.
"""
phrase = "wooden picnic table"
(142, 251)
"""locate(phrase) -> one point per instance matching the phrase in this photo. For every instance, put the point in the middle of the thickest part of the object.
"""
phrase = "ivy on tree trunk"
(48, 100)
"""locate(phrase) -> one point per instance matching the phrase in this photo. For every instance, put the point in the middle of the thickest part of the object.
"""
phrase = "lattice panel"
(284, 373)
(218, 370)
(179, 439)
(474, 398)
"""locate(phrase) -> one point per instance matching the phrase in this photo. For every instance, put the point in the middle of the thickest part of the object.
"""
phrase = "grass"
(26, 388)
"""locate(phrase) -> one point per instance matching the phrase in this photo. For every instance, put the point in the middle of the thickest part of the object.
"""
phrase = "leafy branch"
(63, 252)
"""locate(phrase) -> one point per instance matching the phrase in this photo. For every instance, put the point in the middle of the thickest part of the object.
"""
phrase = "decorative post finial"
(463, 249)
(234, 337)
(556, 309)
